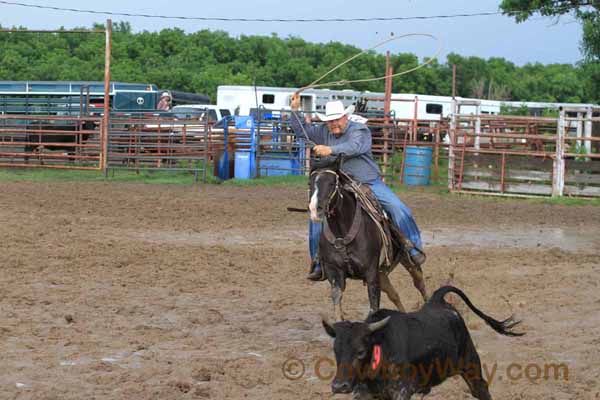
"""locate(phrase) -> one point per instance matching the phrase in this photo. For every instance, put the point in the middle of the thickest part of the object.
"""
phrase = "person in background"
(165, 102)
(341, 135)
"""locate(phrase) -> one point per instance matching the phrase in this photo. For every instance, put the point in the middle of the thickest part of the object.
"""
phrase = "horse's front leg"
(373, 288)
(338, 285)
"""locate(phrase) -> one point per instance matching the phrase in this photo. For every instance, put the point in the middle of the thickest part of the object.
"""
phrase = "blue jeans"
(314, 234)
(398, 212)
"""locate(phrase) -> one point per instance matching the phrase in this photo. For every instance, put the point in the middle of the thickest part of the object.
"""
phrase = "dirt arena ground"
(133, 291)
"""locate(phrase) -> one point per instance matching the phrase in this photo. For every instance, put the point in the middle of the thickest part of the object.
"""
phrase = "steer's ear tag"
(376, 359)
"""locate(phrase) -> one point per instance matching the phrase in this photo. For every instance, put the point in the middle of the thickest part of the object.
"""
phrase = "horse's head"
(324, 190)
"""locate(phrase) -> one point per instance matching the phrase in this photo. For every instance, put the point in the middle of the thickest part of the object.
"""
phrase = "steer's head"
(353, 348)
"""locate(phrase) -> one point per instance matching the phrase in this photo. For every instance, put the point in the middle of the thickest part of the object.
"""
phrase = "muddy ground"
(133, 291)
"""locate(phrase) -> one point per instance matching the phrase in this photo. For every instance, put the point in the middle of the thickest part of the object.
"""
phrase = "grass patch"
(438, 187)
(571, 201)
(44, 175)
(283, 180)
(142, 176)
(568, 201)
(54, 175)
(155, 177)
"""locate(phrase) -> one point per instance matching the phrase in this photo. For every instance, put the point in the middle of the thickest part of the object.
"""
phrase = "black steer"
(393, 355)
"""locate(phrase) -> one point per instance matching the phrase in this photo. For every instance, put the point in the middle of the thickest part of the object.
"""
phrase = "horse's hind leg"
(417, 275)
(390, 291)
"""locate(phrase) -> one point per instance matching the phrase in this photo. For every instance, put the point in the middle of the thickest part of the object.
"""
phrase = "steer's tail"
(503, 327)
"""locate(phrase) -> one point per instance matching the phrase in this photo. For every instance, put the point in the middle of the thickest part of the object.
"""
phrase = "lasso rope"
(345, 82)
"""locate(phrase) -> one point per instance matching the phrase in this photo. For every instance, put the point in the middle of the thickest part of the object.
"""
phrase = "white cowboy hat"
(335, 110)
(165, 94)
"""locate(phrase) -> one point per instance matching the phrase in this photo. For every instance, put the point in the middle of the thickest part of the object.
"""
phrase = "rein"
(363, 202)
(340, 243)
(335, 191)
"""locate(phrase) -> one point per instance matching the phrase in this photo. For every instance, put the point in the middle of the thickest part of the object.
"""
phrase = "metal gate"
(525, 156)
(50, 141)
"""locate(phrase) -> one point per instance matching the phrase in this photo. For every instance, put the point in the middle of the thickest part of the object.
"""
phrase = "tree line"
(199, 62)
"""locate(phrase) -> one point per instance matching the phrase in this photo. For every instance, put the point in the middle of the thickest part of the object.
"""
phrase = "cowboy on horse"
(340, 135)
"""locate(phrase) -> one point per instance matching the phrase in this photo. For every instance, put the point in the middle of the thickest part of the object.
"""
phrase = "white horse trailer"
(244, 99)
(241, 99)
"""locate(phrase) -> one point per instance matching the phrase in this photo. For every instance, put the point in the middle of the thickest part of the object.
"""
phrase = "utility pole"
(105, 119)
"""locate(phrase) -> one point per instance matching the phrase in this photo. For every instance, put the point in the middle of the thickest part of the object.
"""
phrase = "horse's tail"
(503, 327)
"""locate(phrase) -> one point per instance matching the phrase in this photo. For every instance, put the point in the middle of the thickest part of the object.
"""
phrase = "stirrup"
(313, 275)
(418, 258)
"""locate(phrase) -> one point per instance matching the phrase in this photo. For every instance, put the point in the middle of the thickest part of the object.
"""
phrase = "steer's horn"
(379, 324)
(328, 325)
(327, 321)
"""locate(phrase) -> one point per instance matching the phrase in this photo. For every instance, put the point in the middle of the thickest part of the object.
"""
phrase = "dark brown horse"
(351, 244)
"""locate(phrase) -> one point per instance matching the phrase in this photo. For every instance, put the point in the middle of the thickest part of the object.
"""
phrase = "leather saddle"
(396, 245)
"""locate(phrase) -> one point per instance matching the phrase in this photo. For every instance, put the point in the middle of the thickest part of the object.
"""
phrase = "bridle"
(334, 192)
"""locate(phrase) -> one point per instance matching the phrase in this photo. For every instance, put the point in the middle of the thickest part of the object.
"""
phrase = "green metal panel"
(134, 101)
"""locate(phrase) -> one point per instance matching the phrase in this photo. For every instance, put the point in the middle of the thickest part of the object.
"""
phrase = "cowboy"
(165, 102)
(341, 135)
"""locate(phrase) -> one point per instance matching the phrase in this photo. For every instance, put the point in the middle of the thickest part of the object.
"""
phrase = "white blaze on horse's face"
(314, 201)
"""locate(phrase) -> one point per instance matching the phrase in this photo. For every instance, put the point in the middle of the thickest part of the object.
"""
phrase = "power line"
(222, 19)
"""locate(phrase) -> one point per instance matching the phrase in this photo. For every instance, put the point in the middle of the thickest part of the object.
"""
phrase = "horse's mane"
(317, 163)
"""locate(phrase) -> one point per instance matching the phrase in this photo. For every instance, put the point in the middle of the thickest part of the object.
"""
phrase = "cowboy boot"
(316, 272)
(417, 256)
(408, 252)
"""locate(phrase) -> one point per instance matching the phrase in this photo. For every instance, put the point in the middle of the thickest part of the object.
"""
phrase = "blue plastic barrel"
(245, 158)
(244, 165)
(417, 165)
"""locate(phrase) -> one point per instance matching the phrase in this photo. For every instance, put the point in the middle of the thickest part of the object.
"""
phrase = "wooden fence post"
(452, 133)
(105, 119)
(587, 131)
(558, 176)
(386, 115)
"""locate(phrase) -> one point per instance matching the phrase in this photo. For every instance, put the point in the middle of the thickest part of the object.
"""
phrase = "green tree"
(587, 11)
(200, 61)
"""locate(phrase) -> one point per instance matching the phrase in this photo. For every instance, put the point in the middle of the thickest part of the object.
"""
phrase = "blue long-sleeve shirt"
(354, 143)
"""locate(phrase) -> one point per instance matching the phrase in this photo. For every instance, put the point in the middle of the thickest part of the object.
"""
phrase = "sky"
(541, 39)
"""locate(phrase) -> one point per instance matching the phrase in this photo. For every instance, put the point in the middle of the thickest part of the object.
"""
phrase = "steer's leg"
(361, 392)
(401, 392)
(473, 375)
(390, 291)
(479, 388)
(417, 274)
